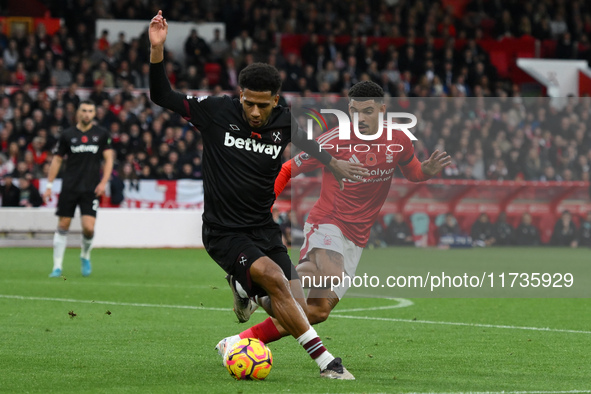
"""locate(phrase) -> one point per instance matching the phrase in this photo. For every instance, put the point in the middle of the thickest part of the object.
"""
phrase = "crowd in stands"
(503, 138)
(394, 230)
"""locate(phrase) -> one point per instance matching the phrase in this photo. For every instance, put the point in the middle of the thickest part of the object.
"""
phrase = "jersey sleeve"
(303, 163)
(300, 139)
(62, 146)
(283, 178)
(413, 171)
(162, 94)
(408, 152)
(198, 110)
(202, 109)
(107, 141)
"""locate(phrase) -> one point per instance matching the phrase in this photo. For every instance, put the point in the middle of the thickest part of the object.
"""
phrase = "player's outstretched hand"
(158, 30)
(344, 169)
(437, 162)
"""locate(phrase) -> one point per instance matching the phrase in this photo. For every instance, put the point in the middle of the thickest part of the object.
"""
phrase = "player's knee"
(317, 314)
(88, 232)
(269, 276)
(277, 284)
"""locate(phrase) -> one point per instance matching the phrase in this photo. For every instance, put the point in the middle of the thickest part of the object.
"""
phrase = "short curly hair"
(260, 77)
(366, 90)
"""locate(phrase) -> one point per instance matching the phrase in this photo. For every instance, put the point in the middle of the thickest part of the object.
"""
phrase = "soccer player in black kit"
(242, 145)
(86, 146)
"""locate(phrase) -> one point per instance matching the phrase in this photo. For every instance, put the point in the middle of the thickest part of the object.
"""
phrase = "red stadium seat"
(213, 72)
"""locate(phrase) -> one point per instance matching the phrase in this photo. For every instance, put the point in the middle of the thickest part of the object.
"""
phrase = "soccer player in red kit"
(339, 224)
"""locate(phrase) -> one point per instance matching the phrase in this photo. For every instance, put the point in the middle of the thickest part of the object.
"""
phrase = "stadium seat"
(387, 219)
(546, 227)
(420, 228)
(213, 72)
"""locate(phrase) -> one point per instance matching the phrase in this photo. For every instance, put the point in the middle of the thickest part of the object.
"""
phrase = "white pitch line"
(118, 284)
(460, 324)
(402, 303)
(546, 329)
(512, 392)
(205, 308)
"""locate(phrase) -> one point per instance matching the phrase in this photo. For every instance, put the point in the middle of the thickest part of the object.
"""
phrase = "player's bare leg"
(320, 301)
(292, 317)
(297, 291)
(272, 329)
(59, 245)
(288, 312)
(88, 223)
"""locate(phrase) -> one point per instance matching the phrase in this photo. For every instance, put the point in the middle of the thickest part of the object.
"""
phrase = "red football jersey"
(355, 209)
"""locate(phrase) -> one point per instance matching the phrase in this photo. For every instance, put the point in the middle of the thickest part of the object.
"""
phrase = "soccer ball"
(249, 359)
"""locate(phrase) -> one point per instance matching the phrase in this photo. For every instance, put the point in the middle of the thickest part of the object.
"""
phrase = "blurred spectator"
(397, 232)
(565, 231)
(526, 233)
(10, 194)
(98, 94)
(504, 232)
(168, 172)
(11, 55)
(450, 226)
(219, 46)
(104, 75)
(38, 148)
(6, 166)
(550, 174)
(376, 236)
(585, 231)
(128, 173)
(242, 44)
(60, 76)
(103, 41)
(29, 195)
(483, 231)
(196, 50)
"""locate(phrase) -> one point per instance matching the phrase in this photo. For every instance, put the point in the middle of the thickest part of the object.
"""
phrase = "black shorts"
(66, 205)
(235, 251)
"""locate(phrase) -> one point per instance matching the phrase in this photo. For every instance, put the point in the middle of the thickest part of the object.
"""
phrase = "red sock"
(264, 331)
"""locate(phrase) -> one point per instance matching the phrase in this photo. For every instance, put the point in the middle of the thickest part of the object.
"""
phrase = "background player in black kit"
(243, 141)
(85, 146)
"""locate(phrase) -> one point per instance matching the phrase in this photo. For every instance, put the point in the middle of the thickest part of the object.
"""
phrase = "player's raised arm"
(161, 92)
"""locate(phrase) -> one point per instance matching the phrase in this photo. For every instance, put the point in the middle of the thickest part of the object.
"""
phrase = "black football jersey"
(84, 152)
(240, 163)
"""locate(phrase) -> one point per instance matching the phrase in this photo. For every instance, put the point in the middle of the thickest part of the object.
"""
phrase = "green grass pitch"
(147, 321)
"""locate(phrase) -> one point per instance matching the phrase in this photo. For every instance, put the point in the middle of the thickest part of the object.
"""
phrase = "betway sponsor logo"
(84, 148)
(250, 144)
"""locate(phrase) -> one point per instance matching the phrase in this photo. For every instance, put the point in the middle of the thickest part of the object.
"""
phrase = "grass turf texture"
(134, 346)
